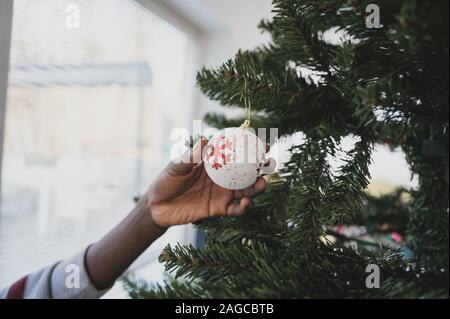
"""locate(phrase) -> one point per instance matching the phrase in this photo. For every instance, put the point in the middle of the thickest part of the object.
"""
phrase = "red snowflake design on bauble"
(218, 152)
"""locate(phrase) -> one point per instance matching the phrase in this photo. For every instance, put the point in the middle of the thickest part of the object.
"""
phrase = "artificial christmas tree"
(378, 85)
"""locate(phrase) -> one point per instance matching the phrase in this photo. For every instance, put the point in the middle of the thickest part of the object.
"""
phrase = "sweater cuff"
(70, 280)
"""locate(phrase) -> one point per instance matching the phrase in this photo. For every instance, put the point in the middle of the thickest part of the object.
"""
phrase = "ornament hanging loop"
(247, 104)
(246, 124)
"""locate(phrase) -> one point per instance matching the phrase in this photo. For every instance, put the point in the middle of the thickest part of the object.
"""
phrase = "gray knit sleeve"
(67, 279)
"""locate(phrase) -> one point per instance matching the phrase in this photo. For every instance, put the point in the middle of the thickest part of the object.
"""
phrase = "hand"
(183, 193)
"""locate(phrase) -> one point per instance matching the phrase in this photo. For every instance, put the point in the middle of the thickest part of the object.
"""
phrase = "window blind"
(95, 87)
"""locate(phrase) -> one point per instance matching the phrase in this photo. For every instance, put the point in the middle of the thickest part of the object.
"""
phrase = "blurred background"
(95, 88)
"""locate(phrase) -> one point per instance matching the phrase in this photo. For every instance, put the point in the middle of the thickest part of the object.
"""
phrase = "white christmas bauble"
(234, 158)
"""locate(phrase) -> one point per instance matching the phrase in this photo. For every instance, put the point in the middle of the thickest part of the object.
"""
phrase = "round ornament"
(235, 158)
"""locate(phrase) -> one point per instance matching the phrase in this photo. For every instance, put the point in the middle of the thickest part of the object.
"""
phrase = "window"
(95, 87)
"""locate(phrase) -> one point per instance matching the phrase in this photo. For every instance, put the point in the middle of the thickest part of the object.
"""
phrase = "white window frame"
(6, 14)
(196, 49)
(197, 44)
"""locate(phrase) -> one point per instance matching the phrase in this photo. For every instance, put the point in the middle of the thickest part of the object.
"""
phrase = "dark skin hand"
(183, 193)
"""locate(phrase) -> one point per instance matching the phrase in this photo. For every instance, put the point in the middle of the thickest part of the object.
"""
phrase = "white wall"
(225, 26)
(237, 29)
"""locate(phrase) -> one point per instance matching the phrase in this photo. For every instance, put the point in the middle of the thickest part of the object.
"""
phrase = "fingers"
(197, 151)
(238, 208)
(253, 190)
(189, 160)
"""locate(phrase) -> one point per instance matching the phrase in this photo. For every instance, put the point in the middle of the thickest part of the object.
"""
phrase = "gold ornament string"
(248, 106)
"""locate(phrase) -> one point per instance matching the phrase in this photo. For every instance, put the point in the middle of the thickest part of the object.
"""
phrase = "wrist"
(108, 258)
(145, 216)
